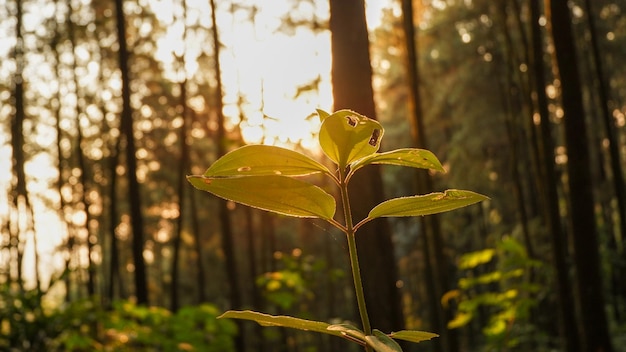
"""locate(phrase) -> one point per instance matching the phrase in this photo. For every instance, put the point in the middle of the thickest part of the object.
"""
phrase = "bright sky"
(257, 58)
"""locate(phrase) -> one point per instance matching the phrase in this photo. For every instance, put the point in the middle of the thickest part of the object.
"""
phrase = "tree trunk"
(352, 89)
(140, 274)
(432, 236)
(617, 269)
(550, 198)
(228, 246)
(594, 332)
(183, 171)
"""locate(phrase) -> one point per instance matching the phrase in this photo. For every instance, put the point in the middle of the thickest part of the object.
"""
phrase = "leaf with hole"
(279, 194)
(346, 136)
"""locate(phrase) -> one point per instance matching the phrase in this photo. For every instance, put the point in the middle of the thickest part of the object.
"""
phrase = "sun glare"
(273, 81)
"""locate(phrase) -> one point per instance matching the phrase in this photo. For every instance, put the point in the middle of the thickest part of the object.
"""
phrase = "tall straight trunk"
(594, 330)
(195, 230)
(352, 89)
(140, 274)
(19, 193)
(183, 171)
(432, 235)
(114, 261)
(228, 246)
(618, 271)
(91, 286)
(549, 194)
(61, 160)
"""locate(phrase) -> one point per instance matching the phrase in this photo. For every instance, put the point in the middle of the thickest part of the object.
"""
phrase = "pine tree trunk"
(352, 89)
(432, 236)
(140, 274)
(594, 329)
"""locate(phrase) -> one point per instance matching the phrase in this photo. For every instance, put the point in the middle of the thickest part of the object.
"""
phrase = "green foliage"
(267, 178)
(504, 292)
(83, 325)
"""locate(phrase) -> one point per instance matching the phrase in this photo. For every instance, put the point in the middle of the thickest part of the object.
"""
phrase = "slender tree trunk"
(228, 246)
(594, 335)
(184, 168)
(140, 274)
(91, 286)
(618, 270)
(19, 193)
(352, 89)
(195, 230)
(550, 198)
(432, 236)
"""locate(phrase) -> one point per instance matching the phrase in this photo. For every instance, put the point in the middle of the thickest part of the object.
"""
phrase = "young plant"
(269, 178)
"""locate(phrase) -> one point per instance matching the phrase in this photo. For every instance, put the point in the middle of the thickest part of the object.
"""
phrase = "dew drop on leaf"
(244, 168)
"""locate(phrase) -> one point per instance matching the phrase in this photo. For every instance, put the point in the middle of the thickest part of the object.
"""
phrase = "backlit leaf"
(426, 204)
(322, 114)
(352, 333)
(346, 136)
(411, 157)
(474, 259)
(282, 321)
(259, 160)
(413, 335)
(278, 194)
(382, 343)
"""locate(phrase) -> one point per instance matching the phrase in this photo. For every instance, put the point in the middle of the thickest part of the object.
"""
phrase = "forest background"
(106, 106)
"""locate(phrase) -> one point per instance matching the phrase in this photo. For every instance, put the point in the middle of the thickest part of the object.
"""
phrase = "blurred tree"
(593, 324)
(126, 124)
(232, 268)
(23, 219)
(352, 89)
(548, 184)
(431, 234)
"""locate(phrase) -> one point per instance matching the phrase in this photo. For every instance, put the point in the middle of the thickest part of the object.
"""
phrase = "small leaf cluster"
(270, 178)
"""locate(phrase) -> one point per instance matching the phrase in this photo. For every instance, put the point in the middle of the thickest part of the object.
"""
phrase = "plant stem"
(354, 259)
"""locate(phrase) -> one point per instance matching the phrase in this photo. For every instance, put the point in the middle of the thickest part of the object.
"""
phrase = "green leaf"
(461, 319)
(474, 259)
(426, 204)
(411, 157)
(322, 114)
(382, 343)
(350, 332)
(346, 136)
(282, 321)
(260, 160)
(278, 194)
(413, 335)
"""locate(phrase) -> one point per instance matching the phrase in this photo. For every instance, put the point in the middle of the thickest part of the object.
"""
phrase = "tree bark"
(618, 269)
(352, 89)
(140, 273)
(228, 246)
(432, 236)
(594, 330)
(550, 197)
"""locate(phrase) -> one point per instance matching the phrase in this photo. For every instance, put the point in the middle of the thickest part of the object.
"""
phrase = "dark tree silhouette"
(352, 89)
(548, 184)
(594, 330)
(432, 236)
(140, 274)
